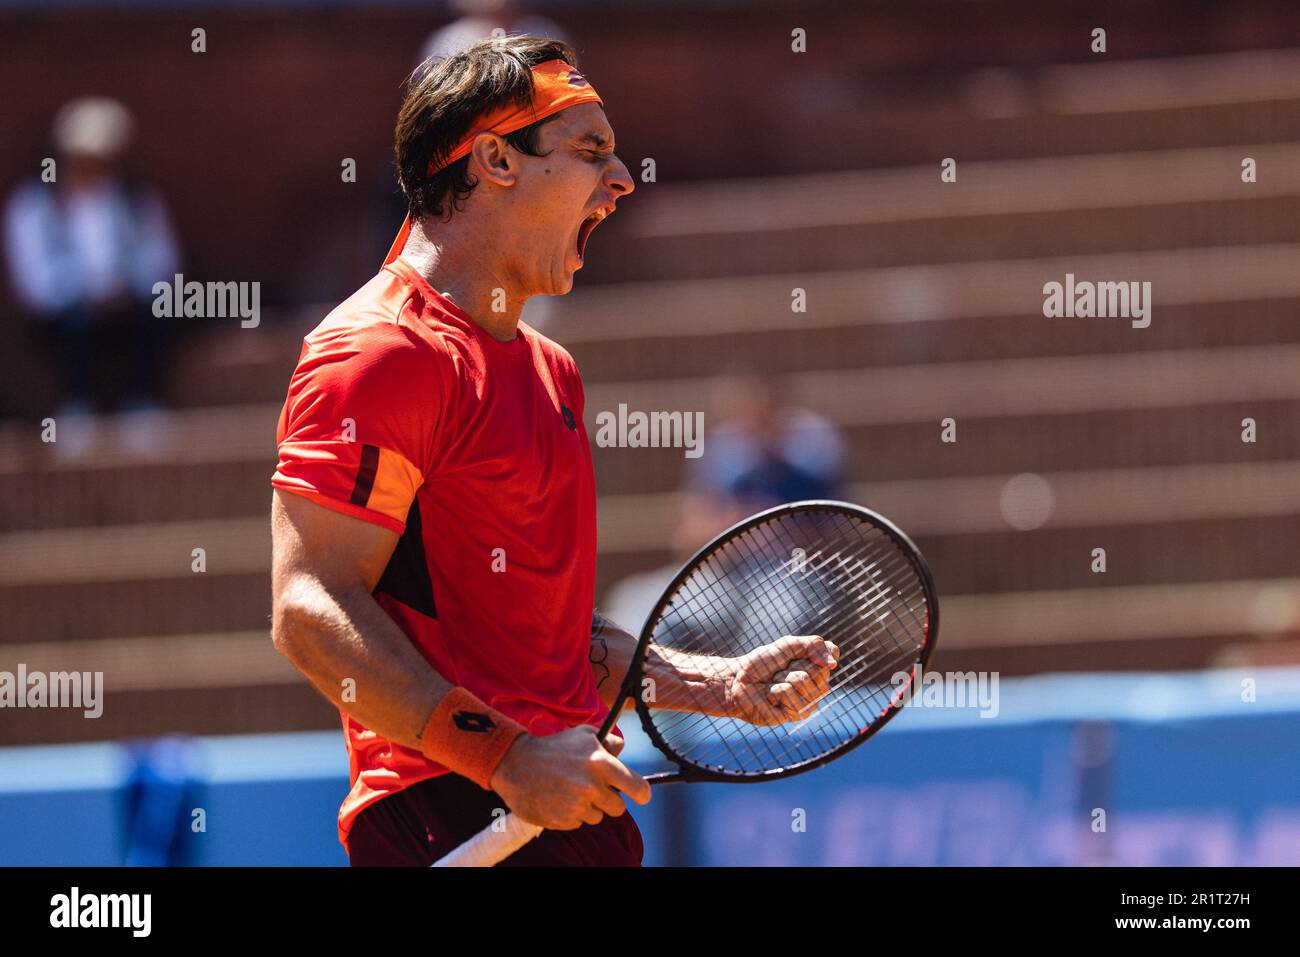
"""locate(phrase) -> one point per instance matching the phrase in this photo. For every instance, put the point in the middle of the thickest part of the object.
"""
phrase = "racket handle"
(492, 845)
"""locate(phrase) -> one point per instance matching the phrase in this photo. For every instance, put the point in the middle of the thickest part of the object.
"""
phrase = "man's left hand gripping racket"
(828, 569)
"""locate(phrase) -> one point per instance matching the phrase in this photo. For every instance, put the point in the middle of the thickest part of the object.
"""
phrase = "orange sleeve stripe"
(338, 505)
(396, 483)
(364, 477)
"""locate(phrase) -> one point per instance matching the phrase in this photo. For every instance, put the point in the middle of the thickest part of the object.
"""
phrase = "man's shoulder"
(556, 353)
(377, 325)
(379, 301)
(367, 353)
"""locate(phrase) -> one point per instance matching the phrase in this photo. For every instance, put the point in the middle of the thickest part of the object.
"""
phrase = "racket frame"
(686, 770)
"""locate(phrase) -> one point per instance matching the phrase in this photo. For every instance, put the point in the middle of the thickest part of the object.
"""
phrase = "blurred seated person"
(762, 453)
(476, 21)
(84, 252)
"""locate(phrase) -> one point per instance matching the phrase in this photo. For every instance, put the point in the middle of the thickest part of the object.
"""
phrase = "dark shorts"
(419, 824)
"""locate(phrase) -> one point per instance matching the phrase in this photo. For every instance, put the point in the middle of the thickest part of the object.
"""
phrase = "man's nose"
(622, 182)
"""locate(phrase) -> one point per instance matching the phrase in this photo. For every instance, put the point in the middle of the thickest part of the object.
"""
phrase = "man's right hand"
(562, 781)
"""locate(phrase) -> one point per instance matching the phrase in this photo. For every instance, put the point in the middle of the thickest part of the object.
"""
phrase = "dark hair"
(443, 99)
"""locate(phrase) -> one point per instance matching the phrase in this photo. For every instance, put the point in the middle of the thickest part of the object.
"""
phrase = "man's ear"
(494, 159)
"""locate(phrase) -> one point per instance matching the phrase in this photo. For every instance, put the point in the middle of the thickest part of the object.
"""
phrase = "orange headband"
(556, 86)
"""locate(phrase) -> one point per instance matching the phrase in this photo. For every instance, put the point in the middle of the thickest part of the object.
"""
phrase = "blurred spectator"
(759, 455)
(84, 252)
(478, 18)
(763, 454)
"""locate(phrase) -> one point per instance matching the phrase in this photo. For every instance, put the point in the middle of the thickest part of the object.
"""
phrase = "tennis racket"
(822, 568)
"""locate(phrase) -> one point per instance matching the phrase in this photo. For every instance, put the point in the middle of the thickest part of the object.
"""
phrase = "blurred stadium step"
(691, 309)
(1077, 205)
(133, 579)
(1011, 441)
(1143, 437)
(645, 329)
(1062, 109)
(870, 344)
(237, 709)
(218, 660)
(1023, 387)
(1160, 408)
(1003, 560)
(1120, 613)
(125, 607)
(977, 505)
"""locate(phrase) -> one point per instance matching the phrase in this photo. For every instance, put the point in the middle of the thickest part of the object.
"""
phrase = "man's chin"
(562, 283)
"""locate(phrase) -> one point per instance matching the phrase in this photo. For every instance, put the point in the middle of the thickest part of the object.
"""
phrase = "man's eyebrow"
(599, 140)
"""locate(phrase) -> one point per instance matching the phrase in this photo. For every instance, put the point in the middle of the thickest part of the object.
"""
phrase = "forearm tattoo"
(599, 649)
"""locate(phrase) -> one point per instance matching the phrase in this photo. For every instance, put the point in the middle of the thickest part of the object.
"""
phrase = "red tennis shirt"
(402, 411)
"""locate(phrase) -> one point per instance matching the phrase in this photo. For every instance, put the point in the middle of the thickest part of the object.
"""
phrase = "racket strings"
(859, 589)
(706, 639)
(841, 726)
(833, 610)
(843, 675)
(694, 723)
(837, 728)
(873, 597)
(837, 611)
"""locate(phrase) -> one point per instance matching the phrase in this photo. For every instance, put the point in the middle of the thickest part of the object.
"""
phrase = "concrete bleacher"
(924, 302)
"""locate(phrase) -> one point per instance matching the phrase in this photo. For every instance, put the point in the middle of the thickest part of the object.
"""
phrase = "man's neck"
(449, 260)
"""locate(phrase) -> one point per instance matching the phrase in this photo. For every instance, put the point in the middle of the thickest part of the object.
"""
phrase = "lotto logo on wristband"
(473, 721)
(474, 755)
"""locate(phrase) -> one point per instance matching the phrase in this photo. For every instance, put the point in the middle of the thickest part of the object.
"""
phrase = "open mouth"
(589, 224)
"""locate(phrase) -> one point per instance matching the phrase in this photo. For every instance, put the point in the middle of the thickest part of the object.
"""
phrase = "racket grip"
(492, 845)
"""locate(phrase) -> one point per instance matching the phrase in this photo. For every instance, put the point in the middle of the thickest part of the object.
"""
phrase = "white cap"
(93, 126)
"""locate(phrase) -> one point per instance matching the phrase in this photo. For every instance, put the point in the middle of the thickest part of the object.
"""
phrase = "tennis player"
(434, 508)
